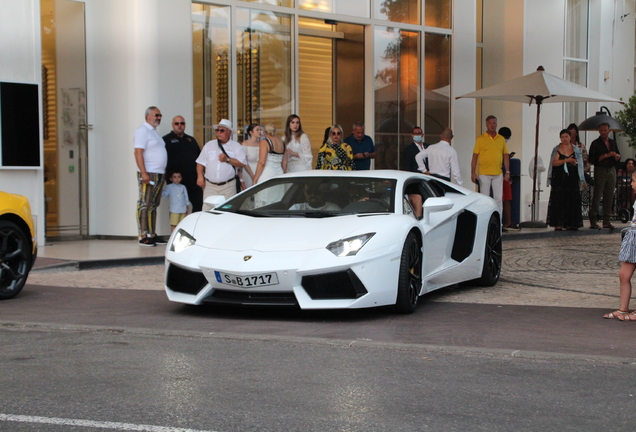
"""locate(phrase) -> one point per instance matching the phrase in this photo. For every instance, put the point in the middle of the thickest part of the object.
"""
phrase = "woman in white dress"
(252, 148)
(298, 146)
(272, 161)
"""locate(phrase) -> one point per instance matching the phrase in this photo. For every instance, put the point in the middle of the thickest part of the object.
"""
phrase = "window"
(437, 13)
(359, 8)
(263, 67)
(404, 11)
(211, 52)
(436, 85)
(575, 55)
(397, 93)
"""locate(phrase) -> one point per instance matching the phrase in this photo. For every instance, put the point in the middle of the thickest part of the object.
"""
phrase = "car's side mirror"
(215, 200)
(434, 205)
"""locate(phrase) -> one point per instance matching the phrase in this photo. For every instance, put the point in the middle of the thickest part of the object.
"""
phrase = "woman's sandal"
(616, 314)
(628, 317)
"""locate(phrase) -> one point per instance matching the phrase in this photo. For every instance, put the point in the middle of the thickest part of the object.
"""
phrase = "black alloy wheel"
(492, 255)
(410, 276)
(15, 259)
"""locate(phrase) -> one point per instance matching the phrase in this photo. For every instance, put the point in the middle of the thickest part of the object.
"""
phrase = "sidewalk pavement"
(94, 254)
(541, 267)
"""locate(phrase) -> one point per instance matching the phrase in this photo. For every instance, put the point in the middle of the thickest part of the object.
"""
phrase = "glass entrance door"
(331, 77)
(65, 128)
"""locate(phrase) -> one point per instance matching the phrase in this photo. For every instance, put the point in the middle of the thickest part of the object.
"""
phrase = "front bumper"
(314, 280)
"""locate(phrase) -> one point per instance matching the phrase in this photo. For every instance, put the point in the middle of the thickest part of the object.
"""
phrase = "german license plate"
(250, 281)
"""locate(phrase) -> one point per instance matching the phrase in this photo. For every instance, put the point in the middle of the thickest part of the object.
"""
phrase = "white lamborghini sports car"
(335, 240)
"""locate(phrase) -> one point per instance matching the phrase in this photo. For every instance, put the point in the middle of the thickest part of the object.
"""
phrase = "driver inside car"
(315, 200)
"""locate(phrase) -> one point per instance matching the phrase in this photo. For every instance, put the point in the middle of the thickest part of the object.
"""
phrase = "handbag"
(237, 179)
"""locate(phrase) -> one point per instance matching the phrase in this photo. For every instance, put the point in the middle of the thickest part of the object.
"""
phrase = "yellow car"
(18, 246)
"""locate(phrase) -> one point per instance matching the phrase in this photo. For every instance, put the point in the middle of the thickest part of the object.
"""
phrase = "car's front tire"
(15, 259)
(410, 276)
(491, 269)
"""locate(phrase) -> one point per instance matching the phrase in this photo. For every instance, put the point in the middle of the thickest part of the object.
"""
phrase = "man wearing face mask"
(408, 156)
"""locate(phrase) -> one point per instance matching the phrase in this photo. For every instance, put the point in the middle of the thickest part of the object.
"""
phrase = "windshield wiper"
(320, 214)
(246, 212)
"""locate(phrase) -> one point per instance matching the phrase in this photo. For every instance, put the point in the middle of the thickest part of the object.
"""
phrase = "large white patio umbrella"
(539, 87)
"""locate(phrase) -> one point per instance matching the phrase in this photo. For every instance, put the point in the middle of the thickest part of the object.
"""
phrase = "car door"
(439, 232)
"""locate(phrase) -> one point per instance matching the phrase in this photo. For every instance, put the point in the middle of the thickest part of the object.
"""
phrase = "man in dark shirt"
(183, 151)
(362, 147)
(603, 155)
(408, 156)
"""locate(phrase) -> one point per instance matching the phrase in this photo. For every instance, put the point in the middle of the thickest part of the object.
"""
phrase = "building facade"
(82, 72)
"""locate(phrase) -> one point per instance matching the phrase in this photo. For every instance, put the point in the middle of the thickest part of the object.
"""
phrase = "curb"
(520, 235)
(99, 264)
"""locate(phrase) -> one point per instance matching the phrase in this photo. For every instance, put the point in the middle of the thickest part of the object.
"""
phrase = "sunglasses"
(159, 115)
(179, 123)
(221, 130)
(336, 133)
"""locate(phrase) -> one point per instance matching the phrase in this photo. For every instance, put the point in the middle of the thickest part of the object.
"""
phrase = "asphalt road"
(172, 381)
(532, 329)
(84, 359)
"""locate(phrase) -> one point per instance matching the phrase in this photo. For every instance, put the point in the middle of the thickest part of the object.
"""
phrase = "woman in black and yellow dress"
(335, 154)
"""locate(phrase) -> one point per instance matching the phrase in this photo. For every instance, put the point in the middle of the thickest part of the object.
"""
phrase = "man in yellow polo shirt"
(488, 155)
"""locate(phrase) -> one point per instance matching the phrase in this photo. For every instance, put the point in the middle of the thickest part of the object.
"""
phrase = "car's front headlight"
(349, 246)
(181, 241)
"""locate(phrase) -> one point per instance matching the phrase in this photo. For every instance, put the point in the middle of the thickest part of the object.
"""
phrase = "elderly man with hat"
(218, 162)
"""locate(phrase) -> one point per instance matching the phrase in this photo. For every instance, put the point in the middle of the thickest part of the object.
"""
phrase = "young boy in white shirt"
(180, 205)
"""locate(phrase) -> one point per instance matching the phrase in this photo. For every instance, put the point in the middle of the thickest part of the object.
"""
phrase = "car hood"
(232, 232)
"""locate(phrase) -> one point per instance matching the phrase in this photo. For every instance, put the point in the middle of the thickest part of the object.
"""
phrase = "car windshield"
(315, 197)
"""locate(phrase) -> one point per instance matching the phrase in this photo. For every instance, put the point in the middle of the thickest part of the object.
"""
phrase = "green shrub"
(627, 117)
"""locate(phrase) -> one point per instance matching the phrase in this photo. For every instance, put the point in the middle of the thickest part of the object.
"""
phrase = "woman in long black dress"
(565, 176)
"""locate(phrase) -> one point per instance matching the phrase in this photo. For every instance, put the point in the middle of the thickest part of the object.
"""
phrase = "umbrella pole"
(535, 223)
(535, 217)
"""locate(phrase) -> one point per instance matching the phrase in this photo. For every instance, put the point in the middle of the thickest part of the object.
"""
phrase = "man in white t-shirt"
(151, 158)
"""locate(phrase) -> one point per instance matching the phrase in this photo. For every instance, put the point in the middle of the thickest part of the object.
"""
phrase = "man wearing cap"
(216, 168)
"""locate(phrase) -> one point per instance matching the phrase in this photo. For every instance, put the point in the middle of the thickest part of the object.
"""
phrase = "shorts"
(628, 247)
(507, 190)
(175, 218)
